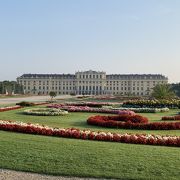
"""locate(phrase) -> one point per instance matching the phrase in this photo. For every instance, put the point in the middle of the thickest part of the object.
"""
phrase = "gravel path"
(17, 175)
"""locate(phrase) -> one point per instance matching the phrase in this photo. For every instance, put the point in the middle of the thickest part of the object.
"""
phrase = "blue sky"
(64, 36)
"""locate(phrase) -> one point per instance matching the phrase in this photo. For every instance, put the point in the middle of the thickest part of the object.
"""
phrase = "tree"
(162, 91)
(52, 94)
(10, 87)
(176, 89)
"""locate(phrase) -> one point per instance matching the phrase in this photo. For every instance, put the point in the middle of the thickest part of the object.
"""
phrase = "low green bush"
(25, 103)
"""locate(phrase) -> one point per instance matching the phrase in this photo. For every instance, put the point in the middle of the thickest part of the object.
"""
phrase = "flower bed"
(45, 112)
(169, 118)
(41, 103)
(112, 122)
(90, 135)
(141, 110)
(2, 109)
(90, 104)
(89, 109)
(174, 103)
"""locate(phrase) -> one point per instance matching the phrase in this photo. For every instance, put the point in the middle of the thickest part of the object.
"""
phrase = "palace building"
(91, 83)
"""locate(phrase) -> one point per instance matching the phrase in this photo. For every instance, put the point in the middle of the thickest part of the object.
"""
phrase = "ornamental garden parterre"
(125, 117)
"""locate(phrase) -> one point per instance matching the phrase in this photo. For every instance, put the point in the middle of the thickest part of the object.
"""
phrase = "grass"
(69, 157)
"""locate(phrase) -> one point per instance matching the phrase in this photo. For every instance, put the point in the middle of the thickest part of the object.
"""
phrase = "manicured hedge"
(25, 103)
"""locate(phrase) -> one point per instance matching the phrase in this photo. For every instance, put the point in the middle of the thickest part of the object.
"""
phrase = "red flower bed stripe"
(111, 122)
(90, 135)
(167, 118)
(9, 108)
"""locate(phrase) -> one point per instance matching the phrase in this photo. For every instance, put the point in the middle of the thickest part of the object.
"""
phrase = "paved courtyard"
(30, 99)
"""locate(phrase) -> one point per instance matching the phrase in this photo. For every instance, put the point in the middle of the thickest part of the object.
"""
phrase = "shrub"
(24, 103)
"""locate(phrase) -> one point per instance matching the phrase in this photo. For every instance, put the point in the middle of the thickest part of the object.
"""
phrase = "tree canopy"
(163, 91)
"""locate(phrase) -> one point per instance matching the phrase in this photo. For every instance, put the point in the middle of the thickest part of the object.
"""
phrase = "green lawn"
(71, 157)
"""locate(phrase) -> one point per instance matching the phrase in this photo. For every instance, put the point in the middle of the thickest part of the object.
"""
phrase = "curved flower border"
(146, 139)
(107, 121)
(45, 112)
(2, 109)
(143, 110)
(89, 109)
(169, 118)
